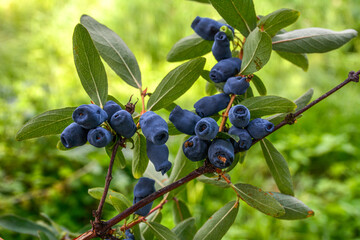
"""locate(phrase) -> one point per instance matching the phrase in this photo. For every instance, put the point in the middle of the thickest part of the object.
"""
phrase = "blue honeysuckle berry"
(206, 27)
(154, 128)
(89, 116)
(110, 108)
(236, 85)
(74, 135)
(184, 120)
(225, 69)
(129, 235)
(143, 188)
(206, 129)
(159, 156)
(259, 128)
(99, 137)
(221, 153)
(245, 141)
(210, 105)
(123, 123)
(221, 47)
(239, 116)
(195, 149)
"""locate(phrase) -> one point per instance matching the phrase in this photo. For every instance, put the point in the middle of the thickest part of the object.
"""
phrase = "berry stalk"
(226, 113)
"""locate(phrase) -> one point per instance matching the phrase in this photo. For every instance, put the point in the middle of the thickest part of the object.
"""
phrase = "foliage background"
(37, 73)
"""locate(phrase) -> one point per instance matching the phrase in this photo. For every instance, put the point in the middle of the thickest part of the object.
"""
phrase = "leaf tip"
(310, 213)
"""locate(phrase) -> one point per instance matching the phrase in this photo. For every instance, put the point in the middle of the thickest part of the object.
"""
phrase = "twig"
(226, 113)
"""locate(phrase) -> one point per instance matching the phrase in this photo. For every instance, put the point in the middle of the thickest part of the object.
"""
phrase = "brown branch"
(226, 113)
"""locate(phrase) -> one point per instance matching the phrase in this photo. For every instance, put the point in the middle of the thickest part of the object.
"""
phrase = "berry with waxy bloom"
(239, 116)
(206, 128)
(111, 108)
(89, 116)
(154, 128)
(74, 135)
(245, 140)
(184, 120)
(221, 153)
(123, 123)
(159, 156)
(195, 149)
(129, 235)
(143, 188)
(221, 47)
(206, 27)
(225, 69)
(236, 85)
(259, 128)
(99, 137)
(210, 105)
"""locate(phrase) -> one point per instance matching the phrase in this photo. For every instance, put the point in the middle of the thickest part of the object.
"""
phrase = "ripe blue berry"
(221, 47)
(154, 128)
(89, 116)
(239, 116)
(221, 153)
(210, 105)
(110, 108)
(123, 124)
(236, 85)
(225, 69)
(206, 129)
(259, 128)
(245, 139)
(74, 135)
(206, 27)
(195, 149)
(143, 188)
(184, 120)
(159, 156)
(129, 235)
(99, 137)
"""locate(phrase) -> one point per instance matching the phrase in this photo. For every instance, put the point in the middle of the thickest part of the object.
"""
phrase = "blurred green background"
(37, 74)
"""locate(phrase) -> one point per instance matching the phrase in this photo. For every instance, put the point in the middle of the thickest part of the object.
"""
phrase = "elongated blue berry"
(206, 27)
(206, 129)
(221, 153)
(159, 156)
(184, 120)
(225, 69)
(259, 128)
(195, 149)
(236, 85)
(154, 128)
(239, 116)
(221, 47)
(74, 135)
(89, 116)
(143, 188)
(123, 123)
(99, 137)
(245, 140)
(110, 108)
(210, 105)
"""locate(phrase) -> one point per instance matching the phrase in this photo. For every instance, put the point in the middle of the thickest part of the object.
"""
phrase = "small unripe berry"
(239, 116)
(221, 153)
(89, 116)
(225, 69)
(236, 85)
(154, 128)
(206, 129)
(123, 123)
(99, 137)
(195, 149)
(210, 105)
(74, 135)
(221, 47)
(259, 128)
(184, 120)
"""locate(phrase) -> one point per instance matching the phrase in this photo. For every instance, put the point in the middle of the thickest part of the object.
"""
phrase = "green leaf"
(137, 233)
(213, 181)
(242, 156)
(176, 83)
(200, 1)
(240, 14)
(42, 236)
(225, 135)
(312, 40)
(189, 47)
(119, 160)
(145, 229)
(172, 129)
(299, 59)
(205, 74)
(180, 211)
(48, 123)
(294, 208)
(161, 232)
(114, 51)
(88, 64)
(119, 202)
(219, 223)
(186, 229)
(257, 51)
(24, 226)
(275, 21)
(170, 107)
(278, 167)
(267, 105)
(259, 85)
(258, 199)
(110, 97)
(98, 192)
(140, 158)
(249, 93)
(210, 89)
